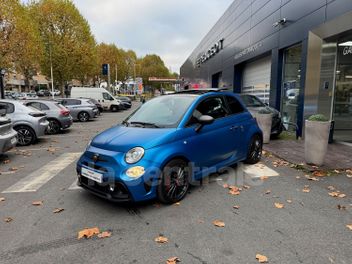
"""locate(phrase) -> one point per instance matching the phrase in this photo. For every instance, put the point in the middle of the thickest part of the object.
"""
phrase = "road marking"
(259, 170)
(38, 178)
(74, 186)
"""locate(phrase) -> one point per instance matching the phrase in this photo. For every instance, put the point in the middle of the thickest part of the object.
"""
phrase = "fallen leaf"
(218, 223)
(268, 192)
(2, 199)
(342, 195)
(331, 188)
(334, 194)
(312, 179)
(58, 210)
(306, 190)
(51, 149)
(341, 207)
(298, 177)
(8, 219)
(233, 192)
(246, 187)
(226, 186)
(173, 260)
(161, 240)
(261, 258)
(349, 226)
(13, 169)
(279, 205)
(104, 234)
(88, 232)
(236, 207)
(263, 178)
(37, 203)
(177, 204)
(289, 201)
(319, 174)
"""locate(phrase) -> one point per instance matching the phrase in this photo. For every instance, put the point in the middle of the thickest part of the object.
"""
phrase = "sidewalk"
(339, 156)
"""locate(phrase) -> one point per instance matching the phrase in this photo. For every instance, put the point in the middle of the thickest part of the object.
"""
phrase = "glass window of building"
(291, 86)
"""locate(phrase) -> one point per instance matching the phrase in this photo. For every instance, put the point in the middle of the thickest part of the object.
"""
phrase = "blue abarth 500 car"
(167, 143)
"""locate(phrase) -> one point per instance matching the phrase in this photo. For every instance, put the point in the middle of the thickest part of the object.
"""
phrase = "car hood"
(255, 110)
(122, 139)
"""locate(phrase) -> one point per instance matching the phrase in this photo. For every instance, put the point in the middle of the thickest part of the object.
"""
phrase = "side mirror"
(203, 121)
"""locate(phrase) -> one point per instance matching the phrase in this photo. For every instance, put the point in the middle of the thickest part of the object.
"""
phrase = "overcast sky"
(169, 28)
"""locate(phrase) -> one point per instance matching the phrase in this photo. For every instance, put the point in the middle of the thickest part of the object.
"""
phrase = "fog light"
(135, 172)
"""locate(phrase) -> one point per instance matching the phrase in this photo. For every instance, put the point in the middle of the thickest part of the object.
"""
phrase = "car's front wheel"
(255, 150)
(175, 181)
(26, 135)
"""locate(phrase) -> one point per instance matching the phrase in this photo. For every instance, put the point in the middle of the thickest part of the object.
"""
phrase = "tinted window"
(34, 105)
(234, 105)
(10, 108)
(73, 102)
(43, 107)
(251, 101)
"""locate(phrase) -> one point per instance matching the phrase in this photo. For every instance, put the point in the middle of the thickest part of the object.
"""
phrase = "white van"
(103, 96)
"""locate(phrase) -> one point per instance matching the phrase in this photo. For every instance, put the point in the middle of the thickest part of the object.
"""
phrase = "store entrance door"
(343, 93)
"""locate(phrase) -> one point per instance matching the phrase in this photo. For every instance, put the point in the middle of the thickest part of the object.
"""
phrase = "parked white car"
(104, 97)
(55, 92)
(29, 123)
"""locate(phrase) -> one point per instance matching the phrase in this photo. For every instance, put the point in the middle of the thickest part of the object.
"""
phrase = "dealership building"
(296, 55)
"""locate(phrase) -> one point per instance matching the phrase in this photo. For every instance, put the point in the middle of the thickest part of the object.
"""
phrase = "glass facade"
(291, 86)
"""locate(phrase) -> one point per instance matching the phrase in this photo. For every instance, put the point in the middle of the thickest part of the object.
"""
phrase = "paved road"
(309, 229)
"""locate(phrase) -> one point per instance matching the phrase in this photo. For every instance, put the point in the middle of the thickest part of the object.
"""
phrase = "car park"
(103, 96)
(168, 142)
(8, 136)
(59, 117)
(81, 110)
(29, 123)
(254, 105)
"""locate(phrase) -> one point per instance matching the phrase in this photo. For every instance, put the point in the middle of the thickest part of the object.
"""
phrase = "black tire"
(255, 150)
(174, 182)
(25, 135)
(114, 108)
(83, 116)
(54, 127)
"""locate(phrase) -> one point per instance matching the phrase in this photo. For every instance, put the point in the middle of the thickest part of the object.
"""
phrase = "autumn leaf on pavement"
(268, 192)
(261, 258)
(104, 234)
(88, 232)
(7, 161)
(58, 210)
(234, 190)
(13, 169)
(226, 186)
(218, 223)
(8, 219)
(236, 207)
(289, 201)
(349, 227)
(173, 260)
(263, 178)
(51, 149)
(306, 190)
(337, 194)
(279, 205)
(177, 204)
(319, 174)
(2, 199)
(161, 239)
(331, 188)
(341, 207)
(37, 203)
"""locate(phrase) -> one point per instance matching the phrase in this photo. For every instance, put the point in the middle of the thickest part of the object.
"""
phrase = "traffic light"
(105, 69)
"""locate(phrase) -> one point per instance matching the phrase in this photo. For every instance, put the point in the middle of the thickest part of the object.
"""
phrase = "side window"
(43, 107)
(9, 108)
(73, 102)
(107, 96)
(234, 105)
(34, 105)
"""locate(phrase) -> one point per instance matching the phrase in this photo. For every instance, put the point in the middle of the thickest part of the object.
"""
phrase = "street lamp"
(2, 88)
(51, 73)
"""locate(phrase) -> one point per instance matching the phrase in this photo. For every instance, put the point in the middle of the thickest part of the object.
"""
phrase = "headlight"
(134, 155)
(135, 172)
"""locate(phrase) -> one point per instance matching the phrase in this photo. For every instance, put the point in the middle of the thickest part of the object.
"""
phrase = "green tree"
(68, 41)
(20, 46)
(152, 66)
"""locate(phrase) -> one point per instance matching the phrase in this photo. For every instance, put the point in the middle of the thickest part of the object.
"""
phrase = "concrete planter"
(265, 122)
(316, 141)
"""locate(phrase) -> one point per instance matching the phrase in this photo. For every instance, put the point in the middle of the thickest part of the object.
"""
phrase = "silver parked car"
(8, 136)
(59, 117)
(81, 109)
(29, 123)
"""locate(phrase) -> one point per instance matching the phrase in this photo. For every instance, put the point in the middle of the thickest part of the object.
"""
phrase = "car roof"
(201, 91)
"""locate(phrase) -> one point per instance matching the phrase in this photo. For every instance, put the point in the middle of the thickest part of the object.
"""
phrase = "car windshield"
(251, 101)
(164, 111)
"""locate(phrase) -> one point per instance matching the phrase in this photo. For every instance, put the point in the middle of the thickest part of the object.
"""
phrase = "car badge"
(95, 157)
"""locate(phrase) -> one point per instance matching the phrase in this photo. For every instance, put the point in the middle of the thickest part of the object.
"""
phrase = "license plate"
(93, 175)
(13, 141)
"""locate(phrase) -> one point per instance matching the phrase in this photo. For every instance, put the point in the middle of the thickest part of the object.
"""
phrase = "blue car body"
(220, 144)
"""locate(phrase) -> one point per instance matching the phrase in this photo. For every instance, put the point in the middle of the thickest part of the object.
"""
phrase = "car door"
(213, 144)
(106, 101)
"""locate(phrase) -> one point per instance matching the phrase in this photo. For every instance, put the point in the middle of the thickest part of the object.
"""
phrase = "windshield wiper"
(144, 124)
(124, 122)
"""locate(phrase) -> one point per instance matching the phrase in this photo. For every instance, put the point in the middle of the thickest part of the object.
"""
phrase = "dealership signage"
(347, 50)
(248, 50)
(211, 52)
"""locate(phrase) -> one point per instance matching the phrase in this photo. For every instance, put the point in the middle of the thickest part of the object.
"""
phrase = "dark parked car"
(58, 116)
(254, 105)
(126, 102)
(42, 93)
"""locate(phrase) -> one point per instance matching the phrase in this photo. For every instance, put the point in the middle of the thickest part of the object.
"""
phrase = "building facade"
(296, 55)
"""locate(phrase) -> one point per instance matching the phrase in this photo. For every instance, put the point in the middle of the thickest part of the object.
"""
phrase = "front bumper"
(116, 185)
(8, 141)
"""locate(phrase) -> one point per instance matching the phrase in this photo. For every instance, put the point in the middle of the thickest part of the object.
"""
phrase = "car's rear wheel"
(255, 150)
(26, 135)
(83, 117)
(54, 127)
(175, 181)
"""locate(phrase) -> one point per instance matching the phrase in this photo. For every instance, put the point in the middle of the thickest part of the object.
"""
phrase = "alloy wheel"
(83, 117)
(25, 136)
